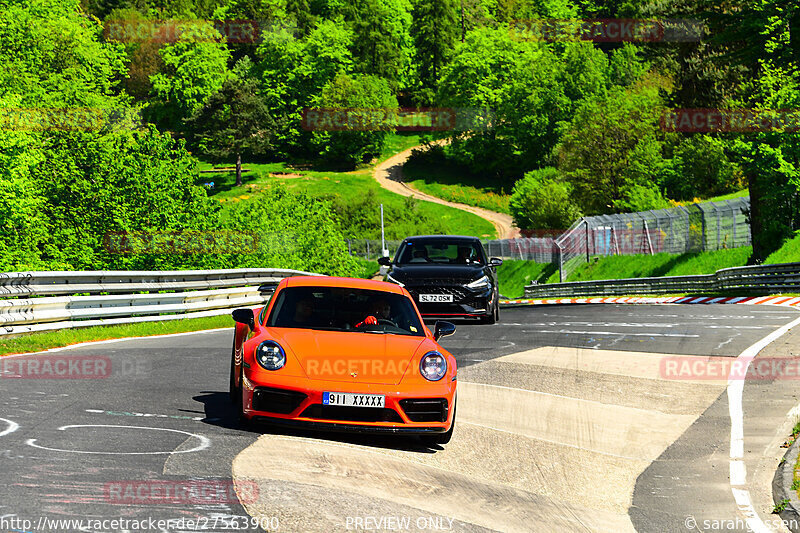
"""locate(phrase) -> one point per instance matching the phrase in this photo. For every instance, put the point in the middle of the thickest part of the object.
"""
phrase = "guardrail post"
(587, 239)
(647, 234)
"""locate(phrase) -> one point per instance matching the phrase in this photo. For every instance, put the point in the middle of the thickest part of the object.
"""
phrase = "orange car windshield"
(345, 309)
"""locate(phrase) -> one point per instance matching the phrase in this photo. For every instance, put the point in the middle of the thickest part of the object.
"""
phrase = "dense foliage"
(573, 127)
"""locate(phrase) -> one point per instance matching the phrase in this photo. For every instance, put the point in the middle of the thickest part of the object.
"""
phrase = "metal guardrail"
(46, 301)
(774, 278)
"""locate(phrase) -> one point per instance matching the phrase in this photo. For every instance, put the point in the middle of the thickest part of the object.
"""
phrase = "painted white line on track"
(12, 427)
(738, 470)
(618, 333)
(121, 339)
(204, 441)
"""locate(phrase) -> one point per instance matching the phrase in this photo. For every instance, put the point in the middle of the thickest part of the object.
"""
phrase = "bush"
(295, 230)
(541, 200)
(700, 169)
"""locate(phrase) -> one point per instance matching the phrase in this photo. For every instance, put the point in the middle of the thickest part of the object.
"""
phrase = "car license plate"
(430, 298)
(349, 399)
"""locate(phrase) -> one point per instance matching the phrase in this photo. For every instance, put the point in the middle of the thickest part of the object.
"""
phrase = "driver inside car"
(378, 310)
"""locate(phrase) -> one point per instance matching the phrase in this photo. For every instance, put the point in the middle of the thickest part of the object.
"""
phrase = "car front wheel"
(494, 316)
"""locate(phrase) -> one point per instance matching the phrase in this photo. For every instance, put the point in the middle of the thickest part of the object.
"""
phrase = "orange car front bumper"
(299, 403)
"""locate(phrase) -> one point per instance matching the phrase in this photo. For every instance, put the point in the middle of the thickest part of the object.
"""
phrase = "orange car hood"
(337, 356)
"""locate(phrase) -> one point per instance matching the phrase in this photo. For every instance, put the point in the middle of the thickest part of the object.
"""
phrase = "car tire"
(492, 318)
(442, 438)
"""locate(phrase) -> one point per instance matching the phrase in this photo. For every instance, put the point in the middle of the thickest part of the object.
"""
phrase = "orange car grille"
(425, 409)
(351, 414)
(277, 401)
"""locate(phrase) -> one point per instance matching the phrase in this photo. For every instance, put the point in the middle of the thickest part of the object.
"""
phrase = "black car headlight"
(480, 283)
(270, 355)
(433, 366)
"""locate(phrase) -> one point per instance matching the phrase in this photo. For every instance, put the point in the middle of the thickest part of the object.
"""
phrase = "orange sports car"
(343, 354)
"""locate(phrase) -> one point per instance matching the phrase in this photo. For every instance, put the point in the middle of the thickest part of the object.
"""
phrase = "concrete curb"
(785, 301)
(782, 489)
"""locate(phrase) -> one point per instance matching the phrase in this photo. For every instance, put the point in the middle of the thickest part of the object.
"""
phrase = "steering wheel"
(387, 321)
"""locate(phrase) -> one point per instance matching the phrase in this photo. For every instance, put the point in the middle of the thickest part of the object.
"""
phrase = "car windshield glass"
(345, 309)
(440, 252)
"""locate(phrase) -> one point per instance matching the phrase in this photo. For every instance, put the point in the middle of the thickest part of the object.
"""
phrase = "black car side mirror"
(443, 328)
(267, 289)
(385, 261)
(495, 262)
(244, 316)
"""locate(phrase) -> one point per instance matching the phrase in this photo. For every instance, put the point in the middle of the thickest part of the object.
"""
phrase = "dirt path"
(389, 175)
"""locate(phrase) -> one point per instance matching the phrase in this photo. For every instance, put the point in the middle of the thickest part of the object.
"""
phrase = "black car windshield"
(345, 309)
(441, 251)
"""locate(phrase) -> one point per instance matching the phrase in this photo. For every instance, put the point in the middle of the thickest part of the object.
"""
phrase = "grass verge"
(788, 253)
(454, 184)
(37, 342)
(657, 265)
(403, 218)
(513, 275)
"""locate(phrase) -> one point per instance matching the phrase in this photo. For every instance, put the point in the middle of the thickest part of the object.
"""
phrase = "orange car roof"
(351, 283)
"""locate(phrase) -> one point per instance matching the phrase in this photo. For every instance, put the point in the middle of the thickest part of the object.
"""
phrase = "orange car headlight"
(270, 355)
(433, 366)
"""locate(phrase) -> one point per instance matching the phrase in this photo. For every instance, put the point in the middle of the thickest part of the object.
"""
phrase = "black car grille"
(438, 281)
(351, 414)
(425, 409)
(277, 401)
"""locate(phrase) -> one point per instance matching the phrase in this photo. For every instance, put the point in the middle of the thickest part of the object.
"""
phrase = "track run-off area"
(603, 417)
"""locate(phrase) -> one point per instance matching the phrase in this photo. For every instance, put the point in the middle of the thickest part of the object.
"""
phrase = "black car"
(448, 276)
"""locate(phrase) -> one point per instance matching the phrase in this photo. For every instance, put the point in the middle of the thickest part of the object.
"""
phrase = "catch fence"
(693, 228)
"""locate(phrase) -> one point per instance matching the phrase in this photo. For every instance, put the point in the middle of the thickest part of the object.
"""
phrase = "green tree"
(613, 145)
(365, 140)
(52, 56)
(381, 40)
(292, 71)
(541, 200)
(521, 85)
(700, 168)
(126, 181)
(435, 29)
(195, 68)
(233, 121)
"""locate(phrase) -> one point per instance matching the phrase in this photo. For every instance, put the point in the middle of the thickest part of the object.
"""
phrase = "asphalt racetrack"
(570, 418)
